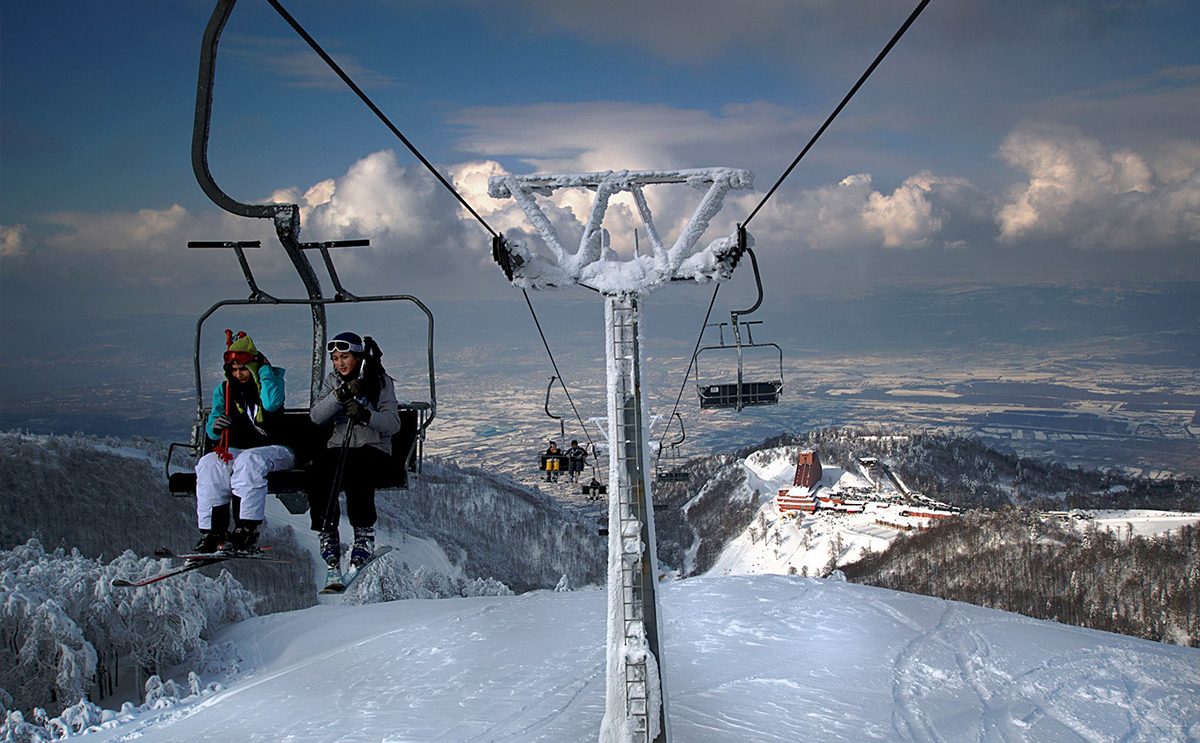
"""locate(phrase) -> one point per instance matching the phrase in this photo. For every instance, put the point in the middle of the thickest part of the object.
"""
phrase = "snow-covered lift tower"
(635, 699)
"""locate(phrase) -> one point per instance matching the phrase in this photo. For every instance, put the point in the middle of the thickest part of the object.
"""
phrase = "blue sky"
(1024, 142)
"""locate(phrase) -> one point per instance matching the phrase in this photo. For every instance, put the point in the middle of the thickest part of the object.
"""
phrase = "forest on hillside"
(1010, 559)
(103, 496)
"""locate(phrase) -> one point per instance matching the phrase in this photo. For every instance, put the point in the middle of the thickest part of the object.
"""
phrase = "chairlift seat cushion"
(668, 476)
(306, 439)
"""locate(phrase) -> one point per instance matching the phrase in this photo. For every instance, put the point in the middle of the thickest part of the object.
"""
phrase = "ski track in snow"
(750, 658)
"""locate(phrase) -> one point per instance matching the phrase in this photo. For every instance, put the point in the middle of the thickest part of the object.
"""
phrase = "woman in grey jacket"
(360, 398)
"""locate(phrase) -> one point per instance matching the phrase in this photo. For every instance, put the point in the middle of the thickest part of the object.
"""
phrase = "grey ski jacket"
(385, 417)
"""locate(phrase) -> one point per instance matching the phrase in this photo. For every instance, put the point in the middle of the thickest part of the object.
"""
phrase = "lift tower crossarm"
(589, 265)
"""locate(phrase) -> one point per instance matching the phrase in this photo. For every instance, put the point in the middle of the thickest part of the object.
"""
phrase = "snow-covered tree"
(56, 609)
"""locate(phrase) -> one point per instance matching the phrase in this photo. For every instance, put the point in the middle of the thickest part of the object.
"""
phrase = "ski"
(193, 561)
(333, 582)
(259, 553)
(354, 575)
(193, 565)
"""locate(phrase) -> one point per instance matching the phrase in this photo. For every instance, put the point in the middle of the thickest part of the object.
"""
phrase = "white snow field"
(750, 658)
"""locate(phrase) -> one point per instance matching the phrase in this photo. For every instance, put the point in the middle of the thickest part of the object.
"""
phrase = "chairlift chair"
(415, 417)
(305, 437)
(740, 393)
(669, 465)
(554, 462)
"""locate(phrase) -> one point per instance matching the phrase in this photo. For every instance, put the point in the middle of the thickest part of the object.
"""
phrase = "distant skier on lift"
(552, 461)
(245, 419)
(361, 398)
(576, 456)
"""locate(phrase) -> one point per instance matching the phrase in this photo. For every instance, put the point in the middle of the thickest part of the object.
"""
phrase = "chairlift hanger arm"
(286, 217)
(562, 430)
(547, 406)
(682, 432)
(735, 314)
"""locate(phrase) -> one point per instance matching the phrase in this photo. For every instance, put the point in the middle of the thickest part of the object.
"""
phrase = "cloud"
(809, 35)
(925, 210)
(417, 231)
(415, 225)
(909, 217)
(1078, 190)
(12, 240)
(143, 231)
(298, 66)
(611, 135)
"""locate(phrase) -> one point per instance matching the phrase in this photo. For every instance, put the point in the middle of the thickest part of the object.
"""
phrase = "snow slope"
(803, 546)
(1141, 522)
(762, 658)
(771, 545)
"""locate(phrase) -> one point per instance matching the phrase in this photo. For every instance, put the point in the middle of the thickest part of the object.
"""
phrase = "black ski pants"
(358, 477)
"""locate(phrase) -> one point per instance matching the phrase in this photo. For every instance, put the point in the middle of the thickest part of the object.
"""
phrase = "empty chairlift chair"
(669, 465)
(719, 391)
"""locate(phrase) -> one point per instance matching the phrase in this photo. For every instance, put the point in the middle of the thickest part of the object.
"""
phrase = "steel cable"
(688, 373)
(553, 363)
(879, 58)
(382, 117)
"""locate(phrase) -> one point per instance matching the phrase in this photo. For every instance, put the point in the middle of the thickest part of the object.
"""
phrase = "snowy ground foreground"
(765, 658)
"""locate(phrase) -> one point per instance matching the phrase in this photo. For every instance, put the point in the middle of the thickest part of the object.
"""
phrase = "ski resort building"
(808, 469)
(849, 505)
(801, 497)
(795, 500)
(928, 513)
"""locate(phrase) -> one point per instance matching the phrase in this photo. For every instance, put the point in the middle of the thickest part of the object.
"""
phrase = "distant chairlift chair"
(549, 463)
(669, 466)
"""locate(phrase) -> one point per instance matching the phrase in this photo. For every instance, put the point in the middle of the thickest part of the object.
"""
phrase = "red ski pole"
(222, 447)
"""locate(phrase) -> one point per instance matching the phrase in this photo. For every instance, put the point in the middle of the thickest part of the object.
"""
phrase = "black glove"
(262, 360)
(356, 411)
(221, 423)
(349, 390)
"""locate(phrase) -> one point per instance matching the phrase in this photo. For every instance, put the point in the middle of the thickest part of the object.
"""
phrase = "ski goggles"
(343, 346)
(241, 357)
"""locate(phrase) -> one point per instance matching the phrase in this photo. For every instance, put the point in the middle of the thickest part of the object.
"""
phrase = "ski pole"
(222, 447)
(337, 476)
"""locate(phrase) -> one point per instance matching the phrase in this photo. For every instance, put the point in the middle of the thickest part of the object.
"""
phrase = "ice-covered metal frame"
(592, 266)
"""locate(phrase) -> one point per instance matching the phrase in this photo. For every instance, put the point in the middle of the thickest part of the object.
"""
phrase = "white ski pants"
(217, 481)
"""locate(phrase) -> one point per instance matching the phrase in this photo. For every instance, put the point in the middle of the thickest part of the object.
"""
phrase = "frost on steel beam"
(600, 269)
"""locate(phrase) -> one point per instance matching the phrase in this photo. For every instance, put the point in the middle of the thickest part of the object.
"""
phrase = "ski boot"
(364, 547)
(211, 541)
(244, 539)
(331, 553)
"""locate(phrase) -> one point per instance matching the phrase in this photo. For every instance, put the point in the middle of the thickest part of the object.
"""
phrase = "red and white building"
(801, 497)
